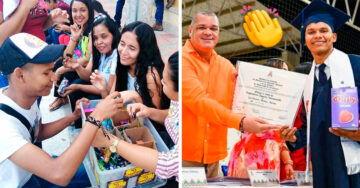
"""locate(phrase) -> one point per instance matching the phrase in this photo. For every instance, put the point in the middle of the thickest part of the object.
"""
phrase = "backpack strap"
(7, 109)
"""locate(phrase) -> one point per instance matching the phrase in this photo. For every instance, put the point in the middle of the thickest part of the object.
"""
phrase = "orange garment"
(207, 94)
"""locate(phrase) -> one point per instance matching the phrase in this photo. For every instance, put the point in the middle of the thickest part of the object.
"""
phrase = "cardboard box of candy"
(125, 174)
(141, 136)
(344, 108)
(118, 172)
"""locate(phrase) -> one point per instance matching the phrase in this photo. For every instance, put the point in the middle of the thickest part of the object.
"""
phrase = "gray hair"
(206, 13)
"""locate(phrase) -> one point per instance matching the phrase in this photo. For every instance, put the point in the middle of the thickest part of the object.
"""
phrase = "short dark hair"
(174, 68)
(275, 62)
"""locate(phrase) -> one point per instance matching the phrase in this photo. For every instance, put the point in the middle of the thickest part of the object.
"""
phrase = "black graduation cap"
(319, 11)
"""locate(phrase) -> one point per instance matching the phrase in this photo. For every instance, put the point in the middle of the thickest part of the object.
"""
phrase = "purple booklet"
(344, 108)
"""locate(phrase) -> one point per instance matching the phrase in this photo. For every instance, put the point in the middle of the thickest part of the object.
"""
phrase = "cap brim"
(49, 54)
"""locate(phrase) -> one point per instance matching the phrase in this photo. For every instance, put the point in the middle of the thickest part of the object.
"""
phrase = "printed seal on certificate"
(268, 93)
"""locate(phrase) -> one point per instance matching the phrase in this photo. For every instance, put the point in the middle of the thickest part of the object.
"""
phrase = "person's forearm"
(158, 115)
(71, 46)
(14, 24)
(1, 17)
(88, 89)
(285, 156)
(135, 155)
(83, 73)
(66, 28)
(83, 62)
(137, 98)
(69, 161)
(59, 170)
(50, 129)
(104, 93)
(62, 70)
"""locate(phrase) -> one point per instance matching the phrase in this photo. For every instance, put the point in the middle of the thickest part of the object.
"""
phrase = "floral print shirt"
(256, 151)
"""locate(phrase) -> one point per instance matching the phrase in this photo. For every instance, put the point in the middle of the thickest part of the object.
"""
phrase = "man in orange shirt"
(208, 84)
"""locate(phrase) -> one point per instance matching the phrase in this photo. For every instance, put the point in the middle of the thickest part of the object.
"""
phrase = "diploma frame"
(268, 93)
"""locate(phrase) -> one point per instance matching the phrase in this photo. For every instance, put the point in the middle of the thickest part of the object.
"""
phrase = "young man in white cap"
(28, 63)
(333, 160)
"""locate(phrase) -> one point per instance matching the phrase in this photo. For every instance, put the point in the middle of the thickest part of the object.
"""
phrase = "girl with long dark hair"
(79, 46)
(106, 36)
(140, 70)
(139, 74)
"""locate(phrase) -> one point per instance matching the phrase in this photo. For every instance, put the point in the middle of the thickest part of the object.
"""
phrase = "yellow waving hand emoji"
(261, 30)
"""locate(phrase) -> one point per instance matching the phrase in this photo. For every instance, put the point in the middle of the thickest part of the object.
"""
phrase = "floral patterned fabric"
(81, 47)
(256, 151)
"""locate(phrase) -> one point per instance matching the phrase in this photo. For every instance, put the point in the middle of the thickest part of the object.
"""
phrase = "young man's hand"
(350, 134)
(108, 107)
(77, 111)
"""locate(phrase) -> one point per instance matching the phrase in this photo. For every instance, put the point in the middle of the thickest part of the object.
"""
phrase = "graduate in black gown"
(318, 23)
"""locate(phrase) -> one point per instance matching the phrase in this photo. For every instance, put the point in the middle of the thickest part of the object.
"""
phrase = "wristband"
(93, 121)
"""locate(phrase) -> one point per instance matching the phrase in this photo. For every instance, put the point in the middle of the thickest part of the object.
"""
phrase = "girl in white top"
(140, 69)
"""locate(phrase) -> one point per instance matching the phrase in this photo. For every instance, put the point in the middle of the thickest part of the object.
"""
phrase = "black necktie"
(322, 75)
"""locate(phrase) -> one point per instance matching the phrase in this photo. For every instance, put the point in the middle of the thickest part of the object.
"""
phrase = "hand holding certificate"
(268, 93)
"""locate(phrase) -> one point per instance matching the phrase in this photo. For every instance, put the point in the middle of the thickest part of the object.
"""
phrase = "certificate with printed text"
(268, 93)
